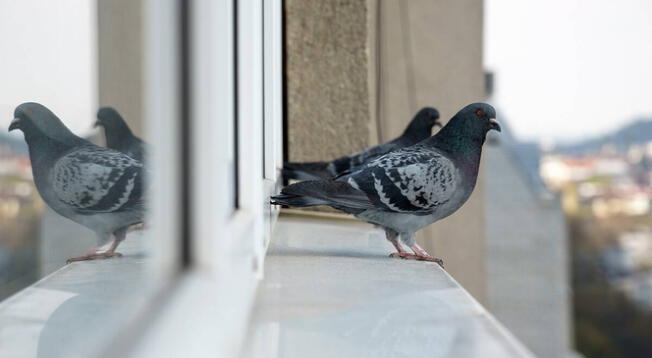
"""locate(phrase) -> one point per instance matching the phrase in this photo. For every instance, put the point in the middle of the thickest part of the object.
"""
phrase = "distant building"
(559, 170)
(528, 275)
(604, 185)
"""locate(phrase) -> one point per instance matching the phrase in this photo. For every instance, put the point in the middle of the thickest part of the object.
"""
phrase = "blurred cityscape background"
(604, 184)
(20, 212)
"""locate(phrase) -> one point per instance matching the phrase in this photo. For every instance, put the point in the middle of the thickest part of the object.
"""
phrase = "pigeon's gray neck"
(43, 148)
(416, 131)
(460, 144)
(459, 137)
(463, 148)
(117, 137)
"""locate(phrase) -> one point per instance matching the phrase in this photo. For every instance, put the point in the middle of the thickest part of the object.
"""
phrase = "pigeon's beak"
(14, 124)
(494, 124)
(438, 124)
(97, 124)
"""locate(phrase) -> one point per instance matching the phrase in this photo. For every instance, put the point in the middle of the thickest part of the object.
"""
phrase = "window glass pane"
(82, 62)
(52, 62)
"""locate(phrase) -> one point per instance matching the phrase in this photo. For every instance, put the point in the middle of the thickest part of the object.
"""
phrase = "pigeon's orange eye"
(479, 112)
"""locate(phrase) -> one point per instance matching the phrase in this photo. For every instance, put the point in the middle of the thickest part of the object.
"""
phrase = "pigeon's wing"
(133, 147)
(339, 195)
(94, 180)
(411, 180)
(139, 149)
(345, 164)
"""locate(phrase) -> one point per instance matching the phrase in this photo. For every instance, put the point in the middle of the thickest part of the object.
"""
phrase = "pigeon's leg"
(119, 235)
(92, 254)
(422, 255)
(392, 236)
(88, 255)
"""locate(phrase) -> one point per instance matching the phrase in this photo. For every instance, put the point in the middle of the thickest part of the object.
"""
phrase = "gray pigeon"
(420, 128)
(410, 188)
(118, 134)
(96, 187)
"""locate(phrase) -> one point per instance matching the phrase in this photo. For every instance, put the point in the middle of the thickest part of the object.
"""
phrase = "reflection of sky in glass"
(48, 56)
(569, 68)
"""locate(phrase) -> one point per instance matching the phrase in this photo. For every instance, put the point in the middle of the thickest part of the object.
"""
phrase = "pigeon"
(419, 129)
(410, 188)
(118, 134)
(99, 188)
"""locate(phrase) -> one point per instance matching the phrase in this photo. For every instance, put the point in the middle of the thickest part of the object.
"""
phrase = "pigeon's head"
(422, 123)
(475, 120)
(36, 119)
(109, 118)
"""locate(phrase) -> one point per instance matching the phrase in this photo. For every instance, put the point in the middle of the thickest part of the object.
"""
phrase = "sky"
(568, 69)
(565, 69)
(48, 55)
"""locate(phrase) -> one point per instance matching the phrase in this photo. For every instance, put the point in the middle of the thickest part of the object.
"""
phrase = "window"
(203, 81)
(54, 64)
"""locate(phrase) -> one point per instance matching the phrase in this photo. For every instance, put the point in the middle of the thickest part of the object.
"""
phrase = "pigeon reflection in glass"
(99, 188)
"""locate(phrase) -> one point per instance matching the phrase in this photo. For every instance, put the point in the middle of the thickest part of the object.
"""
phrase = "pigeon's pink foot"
(407, 256)
(94, 256)
(403, 255)
(422, 255)
(431, 259)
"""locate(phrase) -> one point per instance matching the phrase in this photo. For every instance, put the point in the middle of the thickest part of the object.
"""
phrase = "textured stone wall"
(327, 79)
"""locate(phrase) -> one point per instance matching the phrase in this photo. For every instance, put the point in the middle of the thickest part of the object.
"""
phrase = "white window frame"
(207, 311)
(246, 230)
(273, 110)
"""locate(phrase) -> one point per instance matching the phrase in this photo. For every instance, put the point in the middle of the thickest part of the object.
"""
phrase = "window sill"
(121, 308)
(331, 291)
(78, 308)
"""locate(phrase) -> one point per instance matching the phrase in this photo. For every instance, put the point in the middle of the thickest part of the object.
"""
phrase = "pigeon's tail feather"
(307, 171)
(339, 195)
(296, 201)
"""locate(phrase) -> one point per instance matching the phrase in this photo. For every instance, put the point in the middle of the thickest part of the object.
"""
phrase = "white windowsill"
(330, 290)
(77, 309)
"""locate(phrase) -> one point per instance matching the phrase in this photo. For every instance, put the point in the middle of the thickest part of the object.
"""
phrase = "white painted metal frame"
(161, 108)
(249, 216)
(207, 311)
(235, 238)
(273, 109)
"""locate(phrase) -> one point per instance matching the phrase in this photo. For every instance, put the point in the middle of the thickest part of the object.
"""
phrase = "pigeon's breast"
(412, 222)
(399, 222)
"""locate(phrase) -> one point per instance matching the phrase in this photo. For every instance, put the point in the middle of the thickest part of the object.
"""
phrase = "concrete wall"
(327, 62)
(528, 269)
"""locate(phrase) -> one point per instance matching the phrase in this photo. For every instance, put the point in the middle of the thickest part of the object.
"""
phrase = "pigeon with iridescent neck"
(408, 189)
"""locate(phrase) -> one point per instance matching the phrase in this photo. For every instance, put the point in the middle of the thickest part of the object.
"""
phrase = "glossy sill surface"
(330, 290)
